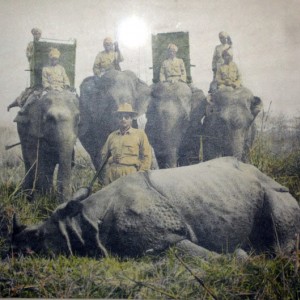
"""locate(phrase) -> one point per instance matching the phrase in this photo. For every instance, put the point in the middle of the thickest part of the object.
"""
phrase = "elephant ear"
(199, 101)
(72, 208)
(35, 125)
(141, 93)
(21, 119)
(31, 119)
(256, 106)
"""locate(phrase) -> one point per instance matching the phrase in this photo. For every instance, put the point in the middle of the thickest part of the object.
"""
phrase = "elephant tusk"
(7, 147)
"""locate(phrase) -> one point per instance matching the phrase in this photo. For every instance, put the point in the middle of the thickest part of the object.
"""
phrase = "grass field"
(168, 276)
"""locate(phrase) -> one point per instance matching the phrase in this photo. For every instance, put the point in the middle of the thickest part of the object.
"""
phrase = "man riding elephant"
(54, 77)
(37, 34)
(108, 59)
(226, 43)
(173, 68)
(228, 74)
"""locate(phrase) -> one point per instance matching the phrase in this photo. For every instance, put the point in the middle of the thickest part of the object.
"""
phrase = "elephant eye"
(50, 119)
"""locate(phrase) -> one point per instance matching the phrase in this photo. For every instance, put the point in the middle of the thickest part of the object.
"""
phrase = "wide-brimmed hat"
(126, 108)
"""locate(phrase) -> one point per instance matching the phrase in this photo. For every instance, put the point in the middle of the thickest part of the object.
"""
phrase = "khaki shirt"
(29, 51)
(29, 55)
(106, 60)
(172, 70)
(55, 77)
(132, 148)
(228, 75)
(217, 60)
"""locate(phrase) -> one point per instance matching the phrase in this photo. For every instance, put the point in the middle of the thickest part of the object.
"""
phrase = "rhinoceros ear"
(256, 106)
(17, 227)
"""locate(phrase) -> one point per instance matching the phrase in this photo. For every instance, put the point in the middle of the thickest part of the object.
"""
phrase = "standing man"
(127, 150)
(108, 59)
(54, 76)
(173, 68)
(228, 74)
(226, 43)
(37, 33)
(20, 100)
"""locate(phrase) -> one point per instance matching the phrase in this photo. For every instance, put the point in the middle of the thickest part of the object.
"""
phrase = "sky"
(265, 35)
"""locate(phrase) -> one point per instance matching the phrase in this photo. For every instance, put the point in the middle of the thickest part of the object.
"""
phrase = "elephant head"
(173, 110)
(99, 98)
(229, 123)
(48, 129)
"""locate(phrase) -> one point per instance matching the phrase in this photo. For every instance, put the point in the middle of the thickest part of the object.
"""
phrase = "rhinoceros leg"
(284, 213)
(195, 250)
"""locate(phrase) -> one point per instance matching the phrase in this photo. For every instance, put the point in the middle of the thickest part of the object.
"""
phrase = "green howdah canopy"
(160, 44)
(40, 58)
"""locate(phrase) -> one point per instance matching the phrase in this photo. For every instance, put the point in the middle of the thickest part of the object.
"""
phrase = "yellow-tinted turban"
(107, 40)
(173, 47)
(54, 53)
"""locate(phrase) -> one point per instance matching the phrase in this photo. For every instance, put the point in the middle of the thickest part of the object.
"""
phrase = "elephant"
(229, 127)
(214, 207)
(174, 121)
(99, 98)
(48, 129)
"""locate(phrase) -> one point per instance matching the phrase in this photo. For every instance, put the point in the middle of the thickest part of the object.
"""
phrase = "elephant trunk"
(64, 174)
(65, 156)
(235, 146)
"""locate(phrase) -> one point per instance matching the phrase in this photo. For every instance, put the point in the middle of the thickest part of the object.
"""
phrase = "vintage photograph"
(150, 149)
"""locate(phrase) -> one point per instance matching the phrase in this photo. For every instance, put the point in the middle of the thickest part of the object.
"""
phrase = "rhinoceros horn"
(17, 226)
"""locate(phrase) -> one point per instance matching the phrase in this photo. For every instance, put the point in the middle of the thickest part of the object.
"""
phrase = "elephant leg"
(284, 214)
(29, 175)
(45, 170)
(88, 143)
(195, 250)
(29, 154)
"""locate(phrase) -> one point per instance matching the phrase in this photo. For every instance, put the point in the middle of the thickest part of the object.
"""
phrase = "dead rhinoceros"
(219, 205)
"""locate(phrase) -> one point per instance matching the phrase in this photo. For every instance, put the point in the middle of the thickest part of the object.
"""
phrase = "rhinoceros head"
(49, 237)
(44, 238)
(25, 240)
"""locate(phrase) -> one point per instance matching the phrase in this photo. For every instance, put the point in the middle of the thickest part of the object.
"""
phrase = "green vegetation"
(276, 151)
(150, 278)
(171, 275)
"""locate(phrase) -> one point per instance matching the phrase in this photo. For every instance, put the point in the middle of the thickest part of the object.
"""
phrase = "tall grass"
(276, 151)
(171, 275)
(164, 277)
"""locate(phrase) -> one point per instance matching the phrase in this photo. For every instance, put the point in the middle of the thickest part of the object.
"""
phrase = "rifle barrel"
(7, 147)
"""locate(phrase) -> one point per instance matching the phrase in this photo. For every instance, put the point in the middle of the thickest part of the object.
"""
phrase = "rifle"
(84, 192)
(7, 147)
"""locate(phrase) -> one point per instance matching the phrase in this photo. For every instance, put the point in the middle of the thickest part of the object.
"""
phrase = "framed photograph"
(150, 149)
